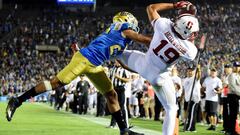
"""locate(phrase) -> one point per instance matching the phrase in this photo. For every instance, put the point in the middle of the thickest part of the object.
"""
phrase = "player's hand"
(74, 47)
(185, 7)
(182, 4)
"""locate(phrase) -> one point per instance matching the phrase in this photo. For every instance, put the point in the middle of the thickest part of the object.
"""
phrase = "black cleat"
(130, 132)
(13, 104)
(212, 127)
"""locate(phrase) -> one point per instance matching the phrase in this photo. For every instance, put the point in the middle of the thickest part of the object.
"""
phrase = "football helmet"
(186, 25)
(127, 17)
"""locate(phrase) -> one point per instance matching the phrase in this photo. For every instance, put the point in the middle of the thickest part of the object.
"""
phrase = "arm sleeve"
(161, 24)
(233, 84)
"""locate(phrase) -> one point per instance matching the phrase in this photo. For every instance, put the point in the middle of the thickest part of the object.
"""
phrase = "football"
(190, 9)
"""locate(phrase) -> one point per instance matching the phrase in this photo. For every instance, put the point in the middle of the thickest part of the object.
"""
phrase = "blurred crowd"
(22, 66)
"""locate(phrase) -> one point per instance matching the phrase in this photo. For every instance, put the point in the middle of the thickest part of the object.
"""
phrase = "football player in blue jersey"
(88, 61)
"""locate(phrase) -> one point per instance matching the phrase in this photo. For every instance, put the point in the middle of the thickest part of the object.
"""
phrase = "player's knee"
(111, 96)
(54, 83)
(66, 81)
(159, 81)
(171, 108)
(47, 85)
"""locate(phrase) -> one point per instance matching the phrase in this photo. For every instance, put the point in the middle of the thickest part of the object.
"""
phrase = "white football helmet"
(186, 25)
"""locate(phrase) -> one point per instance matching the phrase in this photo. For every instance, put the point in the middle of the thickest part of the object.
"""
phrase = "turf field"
(40, 119)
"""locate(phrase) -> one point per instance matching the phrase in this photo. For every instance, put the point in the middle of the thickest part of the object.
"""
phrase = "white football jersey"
(166, 48)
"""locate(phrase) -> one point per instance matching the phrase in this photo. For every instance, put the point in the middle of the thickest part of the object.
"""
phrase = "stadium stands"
(22, 64)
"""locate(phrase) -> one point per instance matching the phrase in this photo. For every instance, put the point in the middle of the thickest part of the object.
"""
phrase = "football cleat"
(13, 104)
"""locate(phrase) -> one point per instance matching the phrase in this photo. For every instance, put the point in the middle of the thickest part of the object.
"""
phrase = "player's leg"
(121, 100)
(166, 94)
(70, 72)
(15, 102)
(100, 80)
(132, 59)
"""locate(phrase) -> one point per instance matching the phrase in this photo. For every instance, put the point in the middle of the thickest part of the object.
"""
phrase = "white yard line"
(106, 122)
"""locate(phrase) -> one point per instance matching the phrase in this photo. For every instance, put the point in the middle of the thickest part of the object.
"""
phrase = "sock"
(27, 95)
(119, 119)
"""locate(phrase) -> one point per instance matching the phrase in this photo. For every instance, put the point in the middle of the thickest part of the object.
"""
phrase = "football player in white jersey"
(169, 44)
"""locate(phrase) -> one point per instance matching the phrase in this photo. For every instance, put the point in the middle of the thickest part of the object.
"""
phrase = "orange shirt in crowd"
(150, 91)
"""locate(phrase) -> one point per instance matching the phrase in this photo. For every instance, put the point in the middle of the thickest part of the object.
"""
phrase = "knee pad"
(172, 109)
(47, 85)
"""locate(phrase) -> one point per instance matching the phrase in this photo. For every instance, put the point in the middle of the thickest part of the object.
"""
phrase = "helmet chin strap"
(174, 31)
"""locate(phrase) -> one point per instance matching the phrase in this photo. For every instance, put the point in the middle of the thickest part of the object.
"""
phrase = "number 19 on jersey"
(169, 55)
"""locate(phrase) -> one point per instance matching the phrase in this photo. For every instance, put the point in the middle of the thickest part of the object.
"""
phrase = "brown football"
(191, 9)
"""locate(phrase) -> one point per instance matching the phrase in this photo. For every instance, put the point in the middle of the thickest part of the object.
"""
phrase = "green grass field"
(39, 119)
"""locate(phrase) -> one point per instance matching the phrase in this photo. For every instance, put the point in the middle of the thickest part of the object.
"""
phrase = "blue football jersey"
(107, 45)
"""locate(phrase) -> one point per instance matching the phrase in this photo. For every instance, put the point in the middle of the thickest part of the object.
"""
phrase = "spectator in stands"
(20, 61)
(227, 72)
(213, 87)
(233, 98)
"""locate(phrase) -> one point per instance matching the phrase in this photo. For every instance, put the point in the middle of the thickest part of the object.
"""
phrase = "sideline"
(105, 121)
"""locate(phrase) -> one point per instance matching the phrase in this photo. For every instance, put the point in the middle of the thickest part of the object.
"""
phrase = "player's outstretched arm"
(137, 37)
(152, 10)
